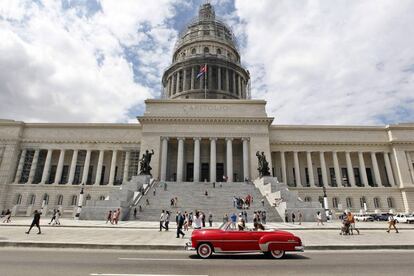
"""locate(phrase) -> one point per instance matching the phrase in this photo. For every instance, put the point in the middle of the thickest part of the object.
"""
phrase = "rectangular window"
(77, 178)
(357, 177)
(369, 176)
(332, 176)
(40, 166)
(65, 174)
(320, 178)
(294, 177)
(307, 176)
(345, 178)
(89, 180)
(52, 174)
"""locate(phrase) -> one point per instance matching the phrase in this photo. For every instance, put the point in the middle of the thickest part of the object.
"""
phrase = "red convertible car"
(273, 243)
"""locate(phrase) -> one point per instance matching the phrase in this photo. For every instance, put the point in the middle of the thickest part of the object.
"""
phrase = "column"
(126, 166)
(33, 166)
(86, 167)
(59, 168)
(350, 170)
(184, 79)
(234, 83)
(192, 78)
(323, 169)
(227, 80)
(113, 167)
(196, 171)
(180, 159)
(240, 85)
(283, 162)
(310, 169)
(20, 166)
(164, 158)
(377, 175)
(362, 168)
(46, 168)
(98, 175)
(297, 169)
(169, 86)
(73, 166)
(246, 158)
(210, 76)
(219, 78)
(229, 159)
(177, 78)
(337, 169)
(389, 169)
(213, 159)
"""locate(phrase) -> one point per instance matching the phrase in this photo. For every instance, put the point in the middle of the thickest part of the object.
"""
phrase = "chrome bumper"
(300, 248)
(189, 247)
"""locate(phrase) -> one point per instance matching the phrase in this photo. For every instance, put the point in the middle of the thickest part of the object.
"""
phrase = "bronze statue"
(145, 167)
(263, 165)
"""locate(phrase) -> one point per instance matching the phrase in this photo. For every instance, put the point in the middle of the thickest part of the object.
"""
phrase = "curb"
(6, 244)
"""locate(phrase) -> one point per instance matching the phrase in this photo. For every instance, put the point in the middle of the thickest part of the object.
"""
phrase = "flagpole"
(205, 82)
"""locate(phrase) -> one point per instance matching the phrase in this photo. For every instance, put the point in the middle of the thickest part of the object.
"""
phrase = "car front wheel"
(204, 250)
(276, 254)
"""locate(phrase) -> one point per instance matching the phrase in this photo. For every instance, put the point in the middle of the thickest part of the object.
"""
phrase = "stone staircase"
(191, 196)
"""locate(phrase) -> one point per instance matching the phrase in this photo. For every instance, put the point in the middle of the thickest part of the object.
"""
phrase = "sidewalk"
(145, 235)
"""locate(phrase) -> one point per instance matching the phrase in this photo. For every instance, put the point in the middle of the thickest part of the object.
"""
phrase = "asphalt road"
(121, 263)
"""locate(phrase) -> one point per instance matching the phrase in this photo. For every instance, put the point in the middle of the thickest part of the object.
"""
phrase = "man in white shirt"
(162, 218)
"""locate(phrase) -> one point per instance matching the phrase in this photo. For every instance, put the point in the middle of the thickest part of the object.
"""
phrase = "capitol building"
(206, 128)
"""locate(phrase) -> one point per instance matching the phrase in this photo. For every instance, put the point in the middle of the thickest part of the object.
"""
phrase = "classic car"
(273, 243)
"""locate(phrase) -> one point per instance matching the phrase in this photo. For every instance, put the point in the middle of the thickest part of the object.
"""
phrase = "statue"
(144, 162)
(263, 165)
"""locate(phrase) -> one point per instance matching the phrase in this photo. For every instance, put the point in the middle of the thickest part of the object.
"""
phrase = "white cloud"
(331, 62)
(48, 58)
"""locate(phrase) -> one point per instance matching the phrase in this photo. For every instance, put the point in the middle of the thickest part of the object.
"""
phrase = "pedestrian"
(175, 201)
(391, 223)
(53, 216)
(234, 201)
(264, 217)
(286, 217)
(166, 220)
(7, 216)
(300, 216)
(233, 219)
(36, 221)
(135, 213)
(206, 193)
(197, 220)
(162, 219)
(293, 217)
(57, 217)
(180, 222)
(319, 218)
(154, 192)
(225, 218)
(263, 202)
(109, 217)
(117, 215)
(245, 216)
(241, 223)
(210, 219)
(147, 202)
(165, 186)
(351, 220)
(140, 208)
(186, 221)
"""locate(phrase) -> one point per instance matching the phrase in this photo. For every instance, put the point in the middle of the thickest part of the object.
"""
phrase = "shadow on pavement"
(250, 257)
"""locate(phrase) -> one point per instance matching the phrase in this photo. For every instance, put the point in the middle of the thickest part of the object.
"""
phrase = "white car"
(403, 218)
(363, 217)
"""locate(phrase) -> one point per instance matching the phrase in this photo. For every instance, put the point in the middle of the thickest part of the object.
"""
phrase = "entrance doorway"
(190, 172)
(219, 172)
(205, 172)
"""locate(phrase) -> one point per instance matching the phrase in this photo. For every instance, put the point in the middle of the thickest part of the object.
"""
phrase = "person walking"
(210, 219)
(264, 217)
(162, 219)
(197, 220)
(57, 217)
(135, 213)
(351, 220)
(391, 223)
(154, 192)
(300, 216)
(165, 186)
(117, 215)
(109, 217)
(319, 218)
(35, 222)
(167, 220)
(225, 218)
(53, 216)
(186, 221)
(180, 222)
(203, 219)
(293, 217)
(233, 219)
(7, 216)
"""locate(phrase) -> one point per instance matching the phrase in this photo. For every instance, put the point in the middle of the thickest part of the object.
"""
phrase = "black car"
(380, 217)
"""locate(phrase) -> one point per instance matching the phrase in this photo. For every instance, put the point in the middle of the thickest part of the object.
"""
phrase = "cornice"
(211, 120)
(326, 127)
(60, 141)
(329, 143)
(205, 135)
(204, 101)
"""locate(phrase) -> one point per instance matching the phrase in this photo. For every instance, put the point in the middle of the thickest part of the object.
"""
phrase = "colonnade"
(213, 158)
(342, 178)
(45, 175)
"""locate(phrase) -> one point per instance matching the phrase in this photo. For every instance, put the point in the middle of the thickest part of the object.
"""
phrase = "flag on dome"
(203, 71)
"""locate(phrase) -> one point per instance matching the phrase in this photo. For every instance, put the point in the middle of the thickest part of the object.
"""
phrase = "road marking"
(111, 274)
(156, 259)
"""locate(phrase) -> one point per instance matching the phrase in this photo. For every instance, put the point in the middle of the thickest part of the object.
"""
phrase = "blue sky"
(315, 62)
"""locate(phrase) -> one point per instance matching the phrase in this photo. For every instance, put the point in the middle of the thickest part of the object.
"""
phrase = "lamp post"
(80, 202)
(325, 202)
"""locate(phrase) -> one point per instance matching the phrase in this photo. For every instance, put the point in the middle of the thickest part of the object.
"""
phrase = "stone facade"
(197, 140)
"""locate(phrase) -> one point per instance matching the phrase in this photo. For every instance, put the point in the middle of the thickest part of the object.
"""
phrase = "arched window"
(206, 50)
(102, 197)
(46, 199)
(349, 202)
(74, 200)
(377, 203)
(218, 51)
(193, 51)
(18, 199)
(335, 202)
(32, 200)
(390, 202)
(60, 200)
(362, 200)
(88, 197)
(183, 55)
(308, 199)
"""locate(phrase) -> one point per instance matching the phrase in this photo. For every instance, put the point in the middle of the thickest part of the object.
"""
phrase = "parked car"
(380, 217)
(403, 218)
(273, 243)
(363, 217)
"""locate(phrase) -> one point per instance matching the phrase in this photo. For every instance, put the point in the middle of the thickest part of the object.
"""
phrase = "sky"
(321, 62)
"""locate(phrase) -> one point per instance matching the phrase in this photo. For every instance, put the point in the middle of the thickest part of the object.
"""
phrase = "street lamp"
(325, 202)
(80, 202)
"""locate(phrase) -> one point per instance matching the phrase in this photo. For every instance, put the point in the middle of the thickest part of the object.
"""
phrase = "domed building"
(206, 129)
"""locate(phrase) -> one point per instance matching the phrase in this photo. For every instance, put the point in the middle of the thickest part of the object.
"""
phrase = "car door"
(239, 241)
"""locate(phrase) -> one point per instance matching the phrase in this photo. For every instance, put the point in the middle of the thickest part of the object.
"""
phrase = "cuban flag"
(203, 71)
